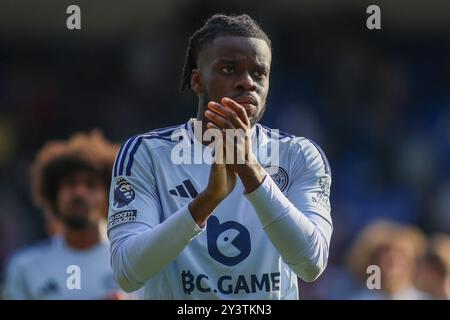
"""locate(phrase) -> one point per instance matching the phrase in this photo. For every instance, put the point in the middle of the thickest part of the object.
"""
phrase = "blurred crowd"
(389, 260)
(377, 103)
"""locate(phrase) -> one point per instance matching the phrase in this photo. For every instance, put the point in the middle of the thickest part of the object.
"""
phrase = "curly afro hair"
(58, 159)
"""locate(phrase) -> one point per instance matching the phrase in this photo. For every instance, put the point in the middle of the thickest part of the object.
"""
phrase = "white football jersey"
(51, 270)
(233, 258)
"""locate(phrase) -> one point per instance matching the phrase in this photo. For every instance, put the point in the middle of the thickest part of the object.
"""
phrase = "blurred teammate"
(235, 230)
(395, 249)
(70, 182)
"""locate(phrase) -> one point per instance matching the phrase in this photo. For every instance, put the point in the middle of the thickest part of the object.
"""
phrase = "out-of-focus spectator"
(395, 249)
(433, 271)
(70, 181)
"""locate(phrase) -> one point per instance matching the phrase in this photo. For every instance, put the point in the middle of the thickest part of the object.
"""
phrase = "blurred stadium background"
(378, 102)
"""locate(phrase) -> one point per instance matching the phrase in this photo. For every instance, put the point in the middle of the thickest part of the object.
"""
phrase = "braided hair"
(218, 25)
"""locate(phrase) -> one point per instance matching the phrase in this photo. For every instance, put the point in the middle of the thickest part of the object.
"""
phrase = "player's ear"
(197, 82)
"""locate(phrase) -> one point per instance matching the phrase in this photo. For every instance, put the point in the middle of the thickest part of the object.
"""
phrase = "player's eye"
(69, 182)
(260, 74)
(227, 69)
(91, 183)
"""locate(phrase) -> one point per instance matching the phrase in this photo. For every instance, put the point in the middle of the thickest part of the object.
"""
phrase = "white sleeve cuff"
(189, 222)
(138, 253)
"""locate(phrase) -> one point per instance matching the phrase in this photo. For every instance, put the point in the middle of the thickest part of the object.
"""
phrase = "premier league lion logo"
(123, 193)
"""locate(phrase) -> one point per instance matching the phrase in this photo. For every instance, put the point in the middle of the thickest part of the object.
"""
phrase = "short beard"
(76, 223)
(259, 116)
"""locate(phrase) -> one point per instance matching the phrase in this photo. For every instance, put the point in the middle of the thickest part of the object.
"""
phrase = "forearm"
(251, 175)
(301, 242)
(202, 207)
(138, 257)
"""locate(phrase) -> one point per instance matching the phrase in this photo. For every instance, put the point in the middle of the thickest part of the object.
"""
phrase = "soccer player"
(221, 230)
(70, 180)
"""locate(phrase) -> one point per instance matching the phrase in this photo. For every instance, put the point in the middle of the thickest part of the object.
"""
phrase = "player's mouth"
(79, 207)
(249, 102)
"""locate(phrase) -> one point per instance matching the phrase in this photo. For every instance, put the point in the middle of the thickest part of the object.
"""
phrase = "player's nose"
(80, 189)
(245, 82)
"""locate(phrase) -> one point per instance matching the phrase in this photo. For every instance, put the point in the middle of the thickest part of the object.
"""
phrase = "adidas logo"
(184, 190)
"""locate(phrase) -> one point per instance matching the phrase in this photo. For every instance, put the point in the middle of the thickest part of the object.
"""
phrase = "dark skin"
(81, 200)
(232, 83)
